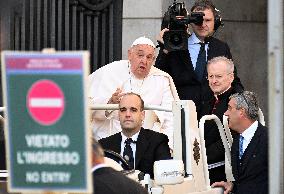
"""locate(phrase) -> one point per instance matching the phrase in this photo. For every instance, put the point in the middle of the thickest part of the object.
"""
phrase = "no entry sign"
(48, 141)
(45, 102)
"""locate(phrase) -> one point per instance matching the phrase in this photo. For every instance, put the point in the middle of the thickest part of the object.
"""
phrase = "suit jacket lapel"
(235, 157)
(115, 144)
(186, 59)
(141, 146)
(248, 154)
(209, 51)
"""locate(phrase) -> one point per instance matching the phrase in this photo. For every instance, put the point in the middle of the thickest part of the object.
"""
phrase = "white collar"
(216, 96)
(134, 137)
(249, 132)
(193, 39)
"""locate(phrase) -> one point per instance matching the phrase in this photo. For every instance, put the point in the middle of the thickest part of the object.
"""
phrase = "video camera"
(176, 20)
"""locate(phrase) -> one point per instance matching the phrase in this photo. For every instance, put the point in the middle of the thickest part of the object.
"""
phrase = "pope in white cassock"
(138, 75)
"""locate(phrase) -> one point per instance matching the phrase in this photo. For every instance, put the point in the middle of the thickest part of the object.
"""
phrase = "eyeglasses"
(217, 77)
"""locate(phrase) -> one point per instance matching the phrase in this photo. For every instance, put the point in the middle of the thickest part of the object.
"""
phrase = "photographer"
(187, 66)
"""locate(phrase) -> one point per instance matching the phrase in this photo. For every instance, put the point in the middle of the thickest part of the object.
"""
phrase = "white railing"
(115, 107)
(226, 138)
(223, 138)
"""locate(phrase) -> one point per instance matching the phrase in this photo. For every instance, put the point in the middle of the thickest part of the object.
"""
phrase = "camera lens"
(176, 39)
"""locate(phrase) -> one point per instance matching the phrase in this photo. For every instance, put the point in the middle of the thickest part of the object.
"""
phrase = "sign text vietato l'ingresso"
(46, 121)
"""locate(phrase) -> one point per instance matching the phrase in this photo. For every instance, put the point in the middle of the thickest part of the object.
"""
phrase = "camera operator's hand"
(161, 35)
(160, 39)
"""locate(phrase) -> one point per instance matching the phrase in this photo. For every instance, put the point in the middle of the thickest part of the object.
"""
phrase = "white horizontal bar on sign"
(115, 107)
(2, 109)
(46, 102)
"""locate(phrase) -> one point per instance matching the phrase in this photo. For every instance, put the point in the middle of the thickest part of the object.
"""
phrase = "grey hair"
(97, 148)
(248, 101)
(229, 63)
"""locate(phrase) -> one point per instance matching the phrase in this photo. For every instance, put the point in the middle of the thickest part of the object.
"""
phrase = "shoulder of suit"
(213, 40)
(110, 138)
(262, 128)
(150, 132)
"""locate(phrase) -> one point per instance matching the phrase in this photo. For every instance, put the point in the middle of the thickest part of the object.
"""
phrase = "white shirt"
(194, 47)
(132, 145)
(155, 89)
(248, 135)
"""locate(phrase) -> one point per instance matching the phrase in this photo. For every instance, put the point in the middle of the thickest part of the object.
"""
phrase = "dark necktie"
(128, 153)
(201, 62)
(215, 106)
(241, 150)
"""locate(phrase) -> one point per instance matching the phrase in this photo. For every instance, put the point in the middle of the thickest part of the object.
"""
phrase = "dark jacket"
(215, 150)
(109, 181)
(251, 171)
(178, 64)
(213, 143)
(151, 146)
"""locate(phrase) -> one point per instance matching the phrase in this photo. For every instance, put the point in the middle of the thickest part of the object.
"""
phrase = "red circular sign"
(45, 102)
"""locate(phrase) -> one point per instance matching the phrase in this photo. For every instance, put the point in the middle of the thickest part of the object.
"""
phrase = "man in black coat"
(108, 180)
(146, 146)
(220, 76)
(182, 65)
(250, 147)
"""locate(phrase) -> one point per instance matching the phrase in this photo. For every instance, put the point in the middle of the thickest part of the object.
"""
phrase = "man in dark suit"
(140, 147)
(108, 180)
(250, 147)
(189, 72)
(220, 76)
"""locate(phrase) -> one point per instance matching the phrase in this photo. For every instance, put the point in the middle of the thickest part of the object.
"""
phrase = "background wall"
(245, 31)
(140, 18)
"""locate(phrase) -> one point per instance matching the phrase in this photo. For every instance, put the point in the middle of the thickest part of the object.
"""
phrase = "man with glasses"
(220, 77)
(249, 151)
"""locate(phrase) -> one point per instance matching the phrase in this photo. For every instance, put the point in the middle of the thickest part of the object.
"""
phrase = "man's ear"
(243, 112)
(232, 77)
(129, 53)
(143, 114)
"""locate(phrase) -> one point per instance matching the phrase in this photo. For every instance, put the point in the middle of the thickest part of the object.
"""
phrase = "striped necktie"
(128, 153)
(241, 150)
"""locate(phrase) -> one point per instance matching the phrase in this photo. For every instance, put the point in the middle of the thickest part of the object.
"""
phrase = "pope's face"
(141, 58)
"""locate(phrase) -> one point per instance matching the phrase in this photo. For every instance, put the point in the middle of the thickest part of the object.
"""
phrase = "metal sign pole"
(275, 69)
